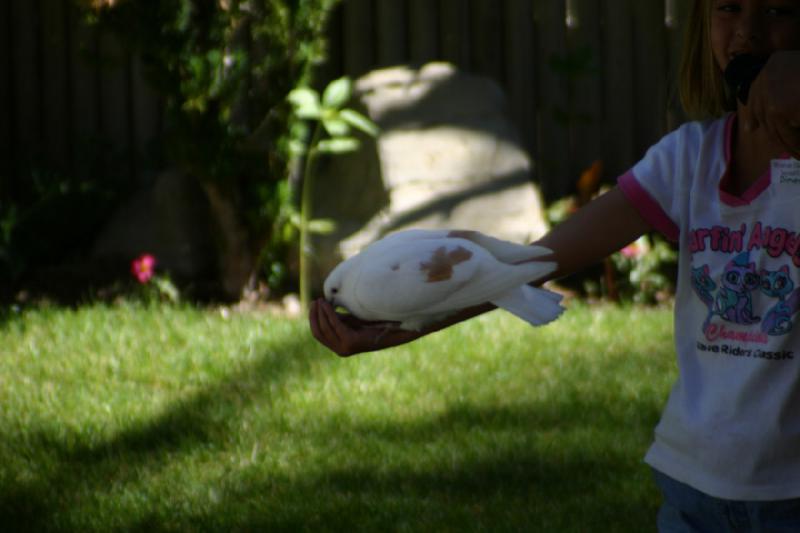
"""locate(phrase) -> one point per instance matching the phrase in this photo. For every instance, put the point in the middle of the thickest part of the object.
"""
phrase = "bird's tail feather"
(536, 306)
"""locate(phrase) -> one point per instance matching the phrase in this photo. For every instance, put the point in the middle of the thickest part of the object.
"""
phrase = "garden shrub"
(223, 69)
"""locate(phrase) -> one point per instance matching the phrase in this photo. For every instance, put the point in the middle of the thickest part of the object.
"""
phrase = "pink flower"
(143, 268)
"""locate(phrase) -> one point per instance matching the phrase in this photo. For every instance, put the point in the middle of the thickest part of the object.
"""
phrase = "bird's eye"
(334, 291)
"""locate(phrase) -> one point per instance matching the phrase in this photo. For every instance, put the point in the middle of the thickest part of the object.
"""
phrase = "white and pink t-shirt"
(731, 427)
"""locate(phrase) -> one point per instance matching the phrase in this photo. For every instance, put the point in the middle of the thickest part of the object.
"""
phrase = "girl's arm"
(600, 228)
(603, 226)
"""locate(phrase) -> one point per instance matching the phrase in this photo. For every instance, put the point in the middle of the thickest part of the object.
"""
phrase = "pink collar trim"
(755, 190)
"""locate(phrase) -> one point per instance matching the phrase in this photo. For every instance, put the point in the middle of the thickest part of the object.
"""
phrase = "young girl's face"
(757, 27)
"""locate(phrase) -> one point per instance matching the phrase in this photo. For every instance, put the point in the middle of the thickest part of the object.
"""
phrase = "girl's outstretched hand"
(774, 101)
(346, 335)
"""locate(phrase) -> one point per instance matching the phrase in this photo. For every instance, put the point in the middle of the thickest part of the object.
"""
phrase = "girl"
(726, 452)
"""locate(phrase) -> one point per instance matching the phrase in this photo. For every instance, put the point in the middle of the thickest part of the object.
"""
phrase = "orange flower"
(589, 181)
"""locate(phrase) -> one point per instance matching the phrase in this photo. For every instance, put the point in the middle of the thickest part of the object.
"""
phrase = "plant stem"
(305, 217)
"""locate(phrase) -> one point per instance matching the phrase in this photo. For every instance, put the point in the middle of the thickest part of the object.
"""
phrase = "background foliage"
(223, 69)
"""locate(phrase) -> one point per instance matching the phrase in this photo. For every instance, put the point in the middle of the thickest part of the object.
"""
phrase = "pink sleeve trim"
(651, 212)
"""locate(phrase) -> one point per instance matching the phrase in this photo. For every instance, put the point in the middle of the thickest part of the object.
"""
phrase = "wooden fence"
(585, 79)
(60, 106)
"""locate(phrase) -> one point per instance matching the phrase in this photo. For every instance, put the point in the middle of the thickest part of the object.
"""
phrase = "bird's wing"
(504, 251)
(413, 277)
(490, 280)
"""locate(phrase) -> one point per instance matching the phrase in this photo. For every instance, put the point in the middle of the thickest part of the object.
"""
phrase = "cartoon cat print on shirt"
(734, 302)
(704, 286)
(778, 284)
(732, 299)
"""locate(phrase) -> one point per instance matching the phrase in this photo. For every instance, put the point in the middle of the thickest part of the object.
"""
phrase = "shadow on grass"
(203, 418)
(512, 480)
(470, 468)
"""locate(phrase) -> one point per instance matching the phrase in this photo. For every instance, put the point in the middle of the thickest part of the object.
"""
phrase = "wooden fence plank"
(487, 54)
(679, 10)
(56, 116)
(115, 113)
(618, 117)
(333, 66)
(520, 67)
(423, 31)
(585, 43)
(147, 116)
(553, 150)
(454, 32)
(650, 67)
(86, 97)
(358, 35)
(392, 32)
(27, 77)
(8, 138)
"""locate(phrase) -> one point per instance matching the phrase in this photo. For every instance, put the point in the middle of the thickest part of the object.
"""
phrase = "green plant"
(645, 268)
(154, 286)
(53, 217)
(224, 68)
(332, 134)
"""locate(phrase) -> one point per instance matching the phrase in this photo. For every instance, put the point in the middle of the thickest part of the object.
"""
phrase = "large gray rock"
(447, 157)
(170, 220)
(194, 229)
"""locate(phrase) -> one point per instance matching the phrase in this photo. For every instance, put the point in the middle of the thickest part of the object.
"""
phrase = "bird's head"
(337, 287)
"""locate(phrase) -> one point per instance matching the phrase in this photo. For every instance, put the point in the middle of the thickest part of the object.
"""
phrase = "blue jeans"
(688, 510)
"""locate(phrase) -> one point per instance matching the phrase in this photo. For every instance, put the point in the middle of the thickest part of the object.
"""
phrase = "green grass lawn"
(131, 417)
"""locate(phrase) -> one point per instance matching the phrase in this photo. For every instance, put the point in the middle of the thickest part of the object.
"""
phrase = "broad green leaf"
(297, 148)
(337, 93)
(306, 103)
(322, 226)
(359, 121)
(338, 145)
(336, 127)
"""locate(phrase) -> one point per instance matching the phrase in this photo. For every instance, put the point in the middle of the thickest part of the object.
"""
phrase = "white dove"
(417, 277)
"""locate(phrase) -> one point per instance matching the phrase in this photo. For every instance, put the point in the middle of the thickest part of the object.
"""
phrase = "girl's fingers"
(313, 321)
(333, 321)
(342, 338)
(327, 331)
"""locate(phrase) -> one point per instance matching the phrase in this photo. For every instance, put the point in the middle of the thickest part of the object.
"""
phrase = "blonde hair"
(702, 87)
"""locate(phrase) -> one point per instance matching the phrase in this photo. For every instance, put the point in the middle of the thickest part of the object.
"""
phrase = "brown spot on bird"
(440, 266)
